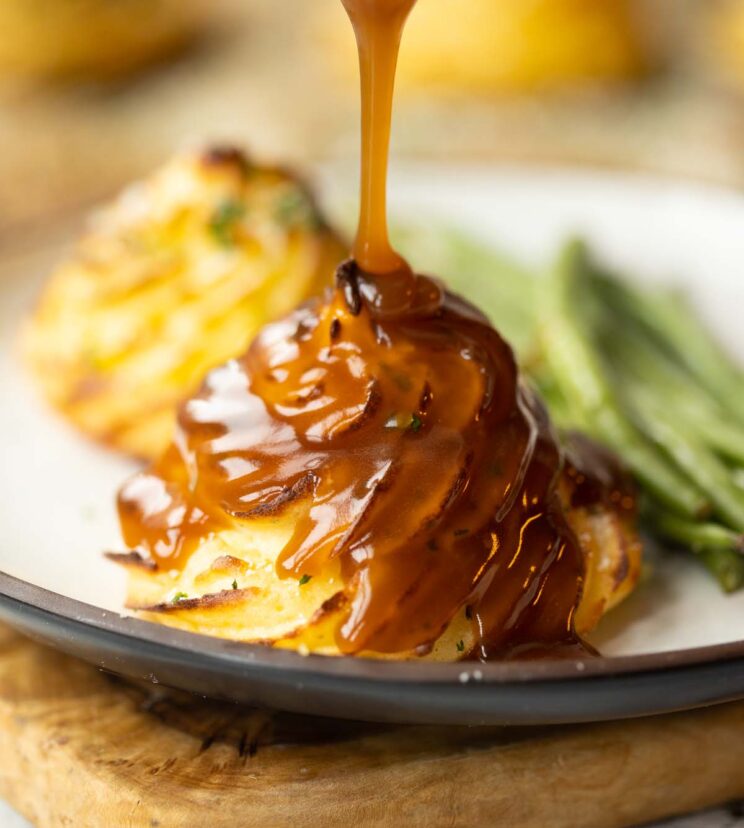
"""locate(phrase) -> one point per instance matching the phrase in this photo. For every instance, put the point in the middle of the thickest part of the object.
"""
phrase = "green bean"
(726, 566)
(577, 370)
(718, 549)
(690, 455)
(500, 287)
(633, 368)
(667, 317)
(697, 536)
(693, 408)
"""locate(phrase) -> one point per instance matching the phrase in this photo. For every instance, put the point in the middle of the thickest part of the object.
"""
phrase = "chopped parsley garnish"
(408, 422)
(293, 208)
(460, 646)
(305, 579)
(178, 597)
(416, 423)
(223, 221)
(234, 584)
(460, 532)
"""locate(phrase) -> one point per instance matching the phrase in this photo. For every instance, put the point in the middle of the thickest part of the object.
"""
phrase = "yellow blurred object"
(174, 278)
(724, 46)
(42, 38)
(519, 45)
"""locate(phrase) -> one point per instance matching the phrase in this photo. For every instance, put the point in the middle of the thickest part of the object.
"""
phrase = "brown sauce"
(378, 26)
(389, 415)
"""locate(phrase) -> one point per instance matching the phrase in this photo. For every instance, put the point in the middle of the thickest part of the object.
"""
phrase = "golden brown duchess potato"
(172, 279)
(723, 41)
(229, 587)
(516, 45)
(92, 37)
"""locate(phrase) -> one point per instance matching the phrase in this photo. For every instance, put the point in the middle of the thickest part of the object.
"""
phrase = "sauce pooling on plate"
(389, 420)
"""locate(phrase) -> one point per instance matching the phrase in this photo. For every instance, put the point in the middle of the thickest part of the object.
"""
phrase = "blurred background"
(96, 92)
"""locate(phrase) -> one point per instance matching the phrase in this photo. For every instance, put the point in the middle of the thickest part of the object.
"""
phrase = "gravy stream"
(388, 420)
(378, 26)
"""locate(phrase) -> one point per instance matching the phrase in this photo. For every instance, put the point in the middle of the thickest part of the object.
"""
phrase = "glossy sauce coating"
(390, 419)
(421, 463)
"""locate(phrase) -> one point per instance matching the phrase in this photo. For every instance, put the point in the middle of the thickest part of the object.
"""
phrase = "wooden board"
(81, 748)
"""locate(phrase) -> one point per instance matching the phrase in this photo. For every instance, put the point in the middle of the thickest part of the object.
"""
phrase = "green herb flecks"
(224, 221)
(405, 422)
(305, 579)
(294, 208)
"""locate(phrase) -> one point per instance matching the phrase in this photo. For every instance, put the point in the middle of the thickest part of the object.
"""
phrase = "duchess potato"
(229, 587)
(42, 38)
(172, 279)
(516, 45)
(722, 44)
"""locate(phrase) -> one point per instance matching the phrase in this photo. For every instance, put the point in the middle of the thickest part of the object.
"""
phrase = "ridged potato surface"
(172, 279)
(230, 589)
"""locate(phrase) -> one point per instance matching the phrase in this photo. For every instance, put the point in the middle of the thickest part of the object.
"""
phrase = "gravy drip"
(378, 26)
(405, 447)
(388, 421)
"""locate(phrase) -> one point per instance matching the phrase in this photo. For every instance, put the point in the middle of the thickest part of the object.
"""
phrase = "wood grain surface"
(81, 748)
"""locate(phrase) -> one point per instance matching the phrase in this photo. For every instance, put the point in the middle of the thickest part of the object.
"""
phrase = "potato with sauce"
(296, 508)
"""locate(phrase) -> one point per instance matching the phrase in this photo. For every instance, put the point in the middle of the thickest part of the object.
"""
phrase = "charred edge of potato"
(221, 157)
(612, 549)
(213, 600)
(131, 559)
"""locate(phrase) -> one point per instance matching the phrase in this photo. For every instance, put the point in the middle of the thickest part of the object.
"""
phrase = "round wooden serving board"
(81, 748)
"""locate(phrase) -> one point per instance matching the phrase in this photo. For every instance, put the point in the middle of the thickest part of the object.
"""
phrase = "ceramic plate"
(676, 643)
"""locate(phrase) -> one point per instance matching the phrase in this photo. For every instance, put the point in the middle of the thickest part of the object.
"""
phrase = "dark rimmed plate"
(676, 644)
(514, 693)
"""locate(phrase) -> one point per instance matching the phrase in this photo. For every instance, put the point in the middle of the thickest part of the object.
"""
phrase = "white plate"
(57, 490)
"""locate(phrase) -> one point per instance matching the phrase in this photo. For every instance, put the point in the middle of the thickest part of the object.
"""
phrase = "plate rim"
(24, 594)
(31, 597)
